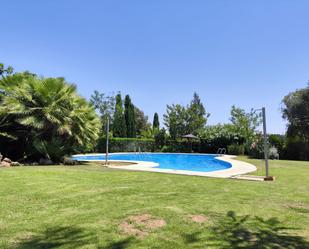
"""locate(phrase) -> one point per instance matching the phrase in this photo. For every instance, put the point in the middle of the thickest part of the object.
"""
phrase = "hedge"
(127, 145)
(236, 149)
(149, 145)
(288, 148)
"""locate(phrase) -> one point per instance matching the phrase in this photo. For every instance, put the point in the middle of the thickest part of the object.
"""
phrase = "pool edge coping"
(238, 167)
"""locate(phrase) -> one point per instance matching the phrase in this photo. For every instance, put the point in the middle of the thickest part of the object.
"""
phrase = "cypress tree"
(119, 125)
(129, 114)
(156, 123)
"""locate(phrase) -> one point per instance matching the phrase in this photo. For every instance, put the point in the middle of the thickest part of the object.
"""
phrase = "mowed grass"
(83, 207)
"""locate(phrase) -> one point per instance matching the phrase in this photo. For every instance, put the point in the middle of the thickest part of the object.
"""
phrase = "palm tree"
(55, 120)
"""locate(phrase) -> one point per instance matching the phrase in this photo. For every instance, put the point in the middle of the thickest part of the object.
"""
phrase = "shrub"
(273, 153)
(218, 136)
(257, 148)
(278, 141)
(45, 161)
(236, 149)
(69, 161)
(127, 145)
(181, 146)
(160, 138)
(167, 148)
(15, 164)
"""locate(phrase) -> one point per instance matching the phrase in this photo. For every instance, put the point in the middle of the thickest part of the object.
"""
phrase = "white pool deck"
(238, 167)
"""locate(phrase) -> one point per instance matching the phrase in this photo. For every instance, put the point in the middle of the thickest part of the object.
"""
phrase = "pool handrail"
(221, 151)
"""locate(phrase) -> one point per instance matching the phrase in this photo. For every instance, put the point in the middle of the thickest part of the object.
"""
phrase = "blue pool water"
(192, 162)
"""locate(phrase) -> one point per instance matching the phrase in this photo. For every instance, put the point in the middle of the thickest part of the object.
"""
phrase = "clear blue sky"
(247, 53)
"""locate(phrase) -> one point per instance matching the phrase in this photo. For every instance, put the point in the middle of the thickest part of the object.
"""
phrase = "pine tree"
(119, 125)
(156, 123)
(129, 114)
(197, 115)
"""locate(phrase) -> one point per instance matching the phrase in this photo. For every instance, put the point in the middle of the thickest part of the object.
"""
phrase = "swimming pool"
(170, 161)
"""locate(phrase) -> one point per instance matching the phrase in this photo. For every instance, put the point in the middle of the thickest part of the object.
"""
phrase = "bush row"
(279, 146)
(151, 145)
(127, 145)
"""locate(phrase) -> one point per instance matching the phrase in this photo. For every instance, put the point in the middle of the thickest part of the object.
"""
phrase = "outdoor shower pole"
(107, 132)
(265, 140)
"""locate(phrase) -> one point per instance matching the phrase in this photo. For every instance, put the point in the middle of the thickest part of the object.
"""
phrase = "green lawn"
(86, 206)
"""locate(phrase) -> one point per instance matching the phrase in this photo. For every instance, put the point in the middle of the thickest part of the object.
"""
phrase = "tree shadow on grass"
(232, 231)
(69, 237)
(121, 244)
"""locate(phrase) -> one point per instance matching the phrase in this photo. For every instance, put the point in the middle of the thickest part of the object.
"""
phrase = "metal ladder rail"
(221, 151)
(144, 154)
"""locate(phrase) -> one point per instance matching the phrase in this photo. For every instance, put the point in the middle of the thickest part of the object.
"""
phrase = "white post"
(265, 141)
(107, 133)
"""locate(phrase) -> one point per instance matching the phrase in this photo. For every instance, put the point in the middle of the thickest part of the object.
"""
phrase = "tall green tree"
(141, 121)
(296, 112)
(181, 120)
(176, 120)
(197, 115)
(46, 116)
(156, 123)
(129, 114)
(105, 105)
(119, 124)
(245, 124)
